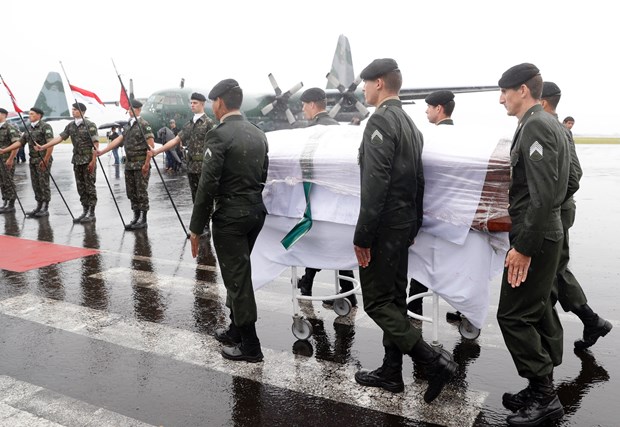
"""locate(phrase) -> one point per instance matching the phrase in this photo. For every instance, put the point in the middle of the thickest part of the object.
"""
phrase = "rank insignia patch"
(536, 151)
(376, 138)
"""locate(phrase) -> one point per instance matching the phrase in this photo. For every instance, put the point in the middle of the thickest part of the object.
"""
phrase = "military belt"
(135, 158)
(83, 151)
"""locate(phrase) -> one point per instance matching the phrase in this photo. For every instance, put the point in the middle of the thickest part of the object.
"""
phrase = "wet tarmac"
(124, 337)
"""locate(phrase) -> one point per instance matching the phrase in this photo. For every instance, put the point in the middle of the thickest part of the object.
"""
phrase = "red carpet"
(21, 255)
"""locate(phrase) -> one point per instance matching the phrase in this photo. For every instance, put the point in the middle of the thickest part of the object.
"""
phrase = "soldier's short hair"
(393, 81)
(233, 98)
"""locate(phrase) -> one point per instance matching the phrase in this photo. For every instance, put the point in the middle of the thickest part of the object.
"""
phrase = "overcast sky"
(435, 43)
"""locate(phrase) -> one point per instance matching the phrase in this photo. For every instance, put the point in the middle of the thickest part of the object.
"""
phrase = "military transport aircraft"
(279, 110)
(282, 110)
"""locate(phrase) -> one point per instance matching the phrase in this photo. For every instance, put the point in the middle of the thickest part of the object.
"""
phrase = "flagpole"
(95, 148)
(152, 158)
(49, 169)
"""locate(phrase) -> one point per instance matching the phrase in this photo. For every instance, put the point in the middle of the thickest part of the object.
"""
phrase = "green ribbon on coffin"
(303, 226)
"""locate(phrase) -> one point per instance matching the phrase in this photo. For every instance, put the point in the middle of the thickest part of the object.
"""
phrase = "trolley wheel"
(467, 330)
(342, 306)
(302, 329)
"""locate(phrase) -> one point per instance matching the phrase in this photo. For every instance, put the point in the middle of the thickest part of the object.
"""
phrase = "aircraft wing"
(408, 95)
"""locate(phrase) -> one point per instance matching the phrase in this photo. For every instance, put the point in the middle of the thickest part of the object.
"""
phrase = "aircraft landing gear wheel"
(467, 330)
(302, 329)
(342, 306)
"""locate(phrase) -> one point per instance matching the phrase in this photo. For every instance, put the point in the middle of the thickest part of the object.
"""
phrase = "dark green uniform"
(40, 134)
(8, 135)
(569, 291)
(194, 137)
(83, 137)
(392, 190)
(233, 175)
(135, 151)
(540, 162)
(323, 118)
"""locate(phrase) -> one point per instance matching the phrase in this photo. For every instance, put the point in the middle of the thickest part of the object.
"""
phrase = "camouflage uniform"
(8, 135)
(136, 148)
(194, 136)
(83, 137)
(40, 134)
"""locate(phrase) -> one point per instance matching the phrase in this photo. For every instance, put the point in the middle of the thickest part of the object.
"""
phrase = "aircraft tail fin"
(342, 64)
(52, 99)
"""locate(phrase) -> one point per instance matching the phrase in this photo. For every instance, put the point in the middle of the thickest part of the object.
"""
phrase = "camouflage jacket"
(40, 134)
(194, 137)
(83, 138)
(135, 144)
(8, 135)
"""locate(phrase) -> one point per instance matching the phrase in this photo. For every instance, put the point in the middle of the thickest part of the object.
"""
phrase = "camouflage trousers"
(85, 182)
(194, 179)
(137, 189)
(41, 181)
(7, 184)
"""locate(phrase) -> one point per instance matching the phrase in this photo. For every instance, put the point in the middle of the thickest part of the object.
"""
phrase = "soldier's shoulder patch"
(536, 151)
(148, 128)
(376, 138)
(208, 154)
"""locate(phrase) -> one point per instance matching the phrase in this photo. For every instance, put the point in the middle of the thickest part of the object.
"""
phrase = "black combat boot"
(249, 350)
(10, 207)
(438, 367)
(81, 217)
(388, 376)
(90, 215)
(4, 206)
(33, 212)
(141, 222)
(543, 404)
(516, 401)
(43, 212)
(229, 336)
(305, 286)
(594, 327)
(136, 217)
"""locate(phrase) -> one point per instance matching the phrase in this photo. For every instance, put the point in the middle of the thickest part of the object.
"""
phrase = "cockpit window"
(158, 101)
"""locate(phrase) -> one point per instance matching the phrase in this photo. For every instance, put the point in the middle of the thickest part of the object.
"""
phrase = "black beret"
(222, 87)
(3, 111)
(378, 68)
(313, 94)
(136, 104)
(517, 75)
(79, 106)
(198, 97)
(440, 97)
(550, 89)
(37, 110)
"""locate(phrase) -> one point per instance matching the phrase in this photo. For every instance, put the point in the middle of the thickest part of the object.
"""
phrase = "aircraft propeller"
(348, 96)
(281, 100)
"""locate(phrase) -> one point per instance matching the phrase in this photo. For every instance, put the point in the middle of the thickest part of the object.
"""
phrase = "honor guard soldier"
(230, 195)
(37, 133)
(439, 107)
(9, 135)
(313, 104)
(194, 137)
(569, 291)
(85, 140)
(392, 191)
(138, 139)
(540, 160)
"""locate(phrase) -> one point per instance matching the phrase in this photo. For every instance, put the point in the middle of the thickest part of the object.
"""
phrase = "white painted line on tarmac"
(280, 369)
(25, 404)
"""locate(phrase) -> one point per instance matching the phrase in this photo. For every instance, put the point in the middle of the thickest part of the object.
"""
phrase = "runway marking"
(455, 407)
(25, 404)
(268, 298)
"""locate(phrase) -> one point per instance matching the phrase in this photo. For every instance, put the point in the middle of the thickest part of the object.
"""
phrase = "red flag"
(17, 109)
(85, 95)
(124, 101)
